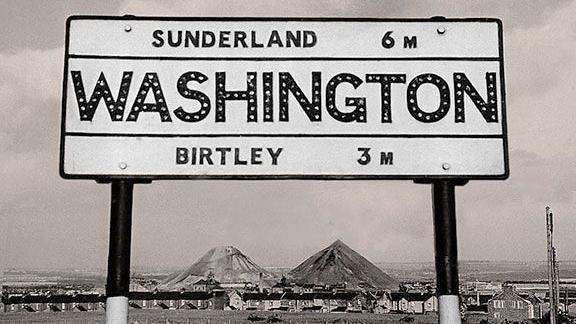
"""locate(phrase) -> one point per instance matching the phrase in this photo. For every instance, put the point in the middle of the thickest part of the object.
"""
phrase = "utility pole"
(556, 280)
(551, 266)
(477, 293)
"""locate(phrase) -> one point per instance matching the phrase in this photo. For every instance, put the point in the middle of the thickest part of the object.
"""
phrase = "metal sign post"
(149, 98)
(118, 279)
(446, 250)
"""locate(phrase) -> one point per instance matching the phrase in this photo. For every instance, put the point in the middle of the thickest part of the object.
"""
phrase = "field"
(213, 317)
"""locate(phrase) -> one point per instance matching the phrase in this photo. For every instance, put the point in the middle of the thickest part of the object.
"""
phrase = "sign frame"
(418, 177)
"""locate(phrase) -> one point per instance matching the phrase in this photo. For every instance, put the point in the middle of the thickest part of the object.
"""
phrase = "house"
(536, 302)
(411, 302)
(340, 301)
(306, 288)
(477, 298)
(234, 300)
(381, 301)
(137, 286)
(25, 303)
(546, 307)
(287, 301)
(254, 301)
(510, 306)
(53, 303)
(400, 303)
(273, 302)
(154, 300)
(477, 308)
(300, 301)
(178, 300)
(200, 285)
(205, 285)
(571, 309)
(87, 302)
(360, 303)
(93, 302)
(282, 286)
(328, 301)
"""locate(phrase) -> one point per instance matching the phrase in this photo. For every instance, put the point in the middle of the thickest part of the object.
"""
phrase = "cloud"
(29, 24)
(515, 13)
(540, 66)
(506, 220)
(30, 92)
(45, 213)
(254, 8)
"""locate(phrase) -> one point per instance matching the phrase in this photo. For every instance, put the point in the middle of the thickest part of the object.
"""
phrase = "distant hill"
(337, 264)
(480, 270)
(226, 263)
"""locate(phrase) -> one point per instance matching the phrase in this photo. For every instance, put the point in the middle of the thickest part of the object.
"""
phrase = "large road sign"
(258, 98)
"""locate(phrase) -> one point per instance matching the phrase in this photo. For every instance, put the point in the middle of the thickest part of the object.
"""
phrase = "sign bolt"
(446, 166)
(441, 30)
(123, 165)
(127, 28)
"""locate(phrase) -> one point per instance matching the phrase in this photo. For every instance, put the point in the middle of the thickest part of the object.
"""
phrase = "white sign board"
(251, 98)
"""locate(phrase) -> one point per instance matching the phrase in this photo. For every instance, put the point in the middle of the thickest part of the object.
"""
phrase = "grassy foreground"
(217, 317)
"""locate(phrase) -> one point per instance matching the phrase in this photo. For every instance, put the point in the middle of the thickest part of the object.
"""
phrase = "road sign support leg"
(446, 251)
(118, 279)
(446, 248)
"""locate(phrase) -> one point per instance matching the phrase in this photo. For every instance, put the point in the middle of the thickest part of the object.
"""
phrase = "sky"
(49, 222)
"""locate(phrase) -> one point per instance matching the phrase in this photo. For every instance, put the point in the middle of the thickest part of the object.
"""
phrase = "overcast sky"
(50, 222)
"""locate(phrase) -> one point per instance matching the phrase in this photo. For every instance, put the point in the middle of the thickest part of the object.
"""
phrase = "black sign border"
(103, 178)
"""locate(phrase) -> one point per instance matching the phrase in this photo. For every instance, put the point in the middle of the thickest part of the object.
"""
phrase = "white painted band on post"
(449, 309)
(117, 310)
